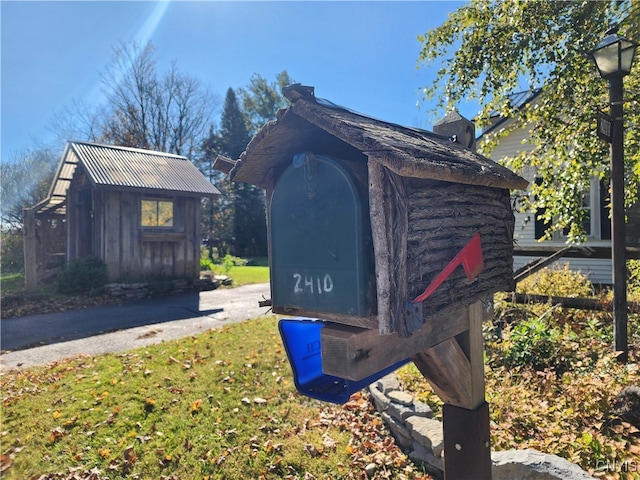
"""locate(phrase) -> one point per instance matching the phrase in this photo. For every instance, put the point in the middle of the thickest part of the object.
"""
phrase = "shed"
(136, 210)
(423, 198)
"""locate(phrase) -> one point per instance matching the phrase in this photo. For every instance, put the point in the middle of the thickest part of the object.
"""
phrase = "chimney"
(458, 129)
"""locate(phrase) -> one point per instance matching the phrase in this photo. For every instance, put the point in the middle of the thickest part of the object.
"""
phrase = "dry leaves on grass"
(20, 305)
(374, 453)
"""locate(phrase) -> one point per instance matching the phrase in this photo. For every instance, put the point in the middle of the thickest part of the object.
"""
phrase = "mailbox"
(321, 248)
(377, 226)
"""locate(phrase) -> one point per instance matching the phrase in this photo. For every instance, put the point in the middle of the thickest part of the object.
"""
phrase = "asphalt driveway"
(40, 339)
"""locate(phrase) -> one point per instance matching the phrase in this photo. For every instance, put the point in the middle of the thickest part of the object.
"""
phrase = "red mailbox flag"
(471, 259)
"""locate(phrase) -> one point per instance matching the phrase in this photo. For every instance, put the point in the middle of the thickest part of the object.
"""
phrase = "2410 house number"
(317, 284)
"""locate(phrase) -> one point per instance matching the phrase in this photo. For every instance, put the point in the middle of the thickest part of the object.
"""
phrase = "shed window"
(156, 213)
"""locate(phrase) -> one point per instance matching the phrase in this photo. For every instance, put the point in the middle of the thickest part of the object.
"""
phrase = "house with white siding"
(593, 258)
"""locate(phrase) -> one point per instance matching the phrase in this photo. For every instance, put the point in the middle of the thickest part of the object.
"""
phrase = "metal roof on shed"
(124, 168)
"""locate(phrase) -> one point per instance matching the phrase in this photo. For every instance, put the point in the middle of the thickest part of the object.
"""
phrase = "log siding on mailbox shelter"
(136, 210)
(427, 197)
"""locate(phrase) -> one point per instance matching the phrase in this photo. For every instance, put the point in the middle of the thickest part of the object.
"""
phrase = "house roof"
(123, 168)
(316, 123)
(517, 100)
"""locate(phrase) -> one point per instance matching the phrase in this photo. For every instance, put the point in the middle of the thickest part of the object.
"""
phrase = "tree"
(24, 181)
(491, 49)
(234, 131)
(217, 213)
(168, 114)
(238, 217)
(144, 109)
(249, 226)
(261, 99)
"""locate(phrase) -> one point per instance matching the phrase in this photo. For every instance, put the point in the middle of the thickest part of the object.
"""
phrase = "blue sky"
(362, 55)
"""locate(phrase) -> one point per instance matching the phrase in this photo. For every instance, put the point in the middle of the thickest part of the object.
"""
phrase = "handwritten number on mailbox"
(306, 283)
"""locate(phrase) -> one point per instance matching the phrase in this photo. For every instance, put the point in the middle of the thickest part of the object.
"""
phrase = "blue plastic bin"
(301, 339)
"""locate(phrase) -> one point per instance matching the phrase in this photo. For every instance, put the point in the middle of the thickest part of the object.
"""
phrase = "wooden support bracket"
(355, 353)
(223, 164)
(455, 370)
(455, 367)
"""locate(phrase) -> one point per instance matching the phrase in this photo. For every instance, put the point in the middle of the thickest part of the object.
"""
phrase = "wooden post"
(455, 370)
(466, 443)
(30, 250)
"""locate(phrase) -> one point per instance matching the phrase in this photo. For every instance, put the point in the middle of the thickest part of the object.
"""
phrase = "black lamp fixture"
(614, 55)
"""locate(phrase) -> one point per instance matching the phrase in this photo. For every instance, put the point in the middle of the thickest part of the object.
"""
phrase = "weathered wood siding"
(418, 227)
(132, 252)
(80, 218)
(442, 219)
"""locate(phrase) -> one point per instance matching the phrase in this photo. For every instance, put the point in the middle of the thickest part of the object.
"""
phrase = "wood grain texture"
(455, 367)
(355, 353)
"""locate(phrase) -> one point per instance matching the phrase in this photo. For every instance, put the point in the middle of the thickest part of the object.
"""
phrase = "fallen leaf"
(328, 442)
(195, 406)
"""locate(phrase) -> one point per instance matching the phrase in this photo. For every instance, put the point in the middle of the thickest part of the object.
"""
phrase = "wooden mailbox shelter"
(426, 197)
(367, 224)
(136, 210)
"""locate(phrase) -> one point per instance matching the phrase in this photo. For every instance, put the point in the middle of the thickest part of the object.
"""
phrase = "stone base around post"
(421, 436)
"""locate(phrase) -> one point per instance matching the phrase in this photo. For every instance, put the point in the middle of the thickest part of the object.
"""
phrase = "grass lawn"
(12, 282)
(245, 275)
(242, 271)
(220, 405)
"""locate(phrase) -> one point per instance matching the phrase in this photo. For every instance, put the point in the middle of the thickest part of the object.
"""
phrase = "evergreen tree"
(217, 213)
(249, 217)
(238, 220)
(234, 132)
(261, 99)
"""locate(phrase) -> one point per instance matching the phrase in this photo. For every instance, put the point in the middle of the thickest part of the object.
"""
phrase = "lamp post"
(613, 57)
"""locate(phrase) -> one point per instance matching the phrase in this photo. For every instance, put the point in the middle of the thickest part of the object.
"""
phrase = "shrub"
(557, 281)
(235, 261)
(227, 262)
(535, 344)
(84, 276)
(633, 269)
(206, 264)
(11, 252)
